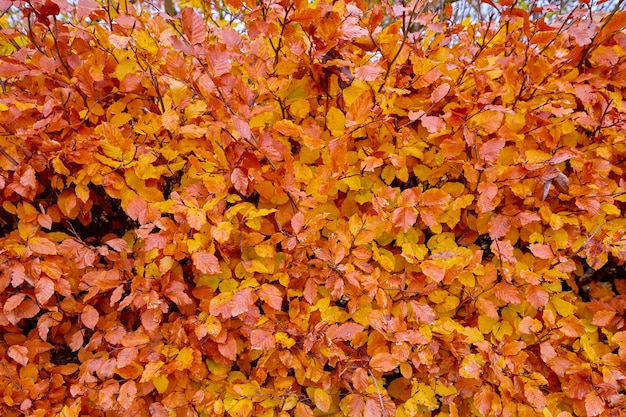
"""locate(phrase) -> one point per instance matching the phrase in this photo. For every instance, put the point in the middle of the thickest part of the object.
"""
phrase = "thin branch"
(380, 397)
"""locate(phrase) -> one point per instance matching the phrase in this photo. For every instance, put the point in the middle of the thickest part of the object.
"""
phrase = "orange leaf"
(242, 301)
(404, 218)
(194, 26)
(89, 317)
(126, 356)
(229, 348)
(127, 394)
(240, 180)
(271, 295)
(535, 397)
(439, 93)
(487, 193)
(137, 209)
(433, 271)
(507, 293)
(384, 362)
(483, 399)
(541, 251)
(490, 150)
(603, 318)
(423, 312)
(297, 222)
(44, 289)
(537, 296)
(76, 341)
(19, 354)
(42, 245)
(262, 339)
(206, 263)
(433, 124)
(345, 331)
(594, 405)
(13, 301)
(499, 226)
(373, 408)
(368, 72)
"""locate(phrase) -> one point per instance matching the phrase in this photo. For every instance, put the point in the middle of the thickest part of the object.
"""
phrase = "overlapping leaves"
(311, 212)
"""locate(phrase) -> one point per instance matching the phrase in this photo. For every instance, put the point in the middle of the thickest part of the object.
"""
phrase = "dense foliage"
(311, 208)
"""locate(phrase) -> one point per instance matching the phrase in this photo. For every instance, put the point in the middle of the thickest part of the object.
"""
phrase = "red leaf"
(206, 263)
(49, 8)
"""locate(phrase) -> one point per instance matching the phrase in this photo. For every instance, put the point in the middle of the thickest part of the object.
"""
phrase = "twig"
(380, 397)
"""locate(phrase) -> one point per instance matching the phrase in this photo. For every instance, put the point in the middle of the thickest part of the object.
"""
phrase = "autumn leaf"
(384, 362)
(206, 262)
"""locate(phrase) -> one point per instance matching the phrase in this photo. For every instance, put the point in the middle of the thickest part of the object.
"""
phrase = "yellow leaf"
(444, 390)
(283, 339)
(120, 119)
(351, 93)
(425, 396)
(185, 357)
(160, 383)
(247, 390)
(144, 40)
(300, 108)
(564, 308)
(321, 399)
(239, 408)
(471, 366)
(125, 67)
(336, 121)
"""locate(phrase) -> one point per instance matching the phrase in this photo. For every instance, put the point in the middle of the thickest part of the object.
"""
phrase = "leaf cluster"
(311, 211)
